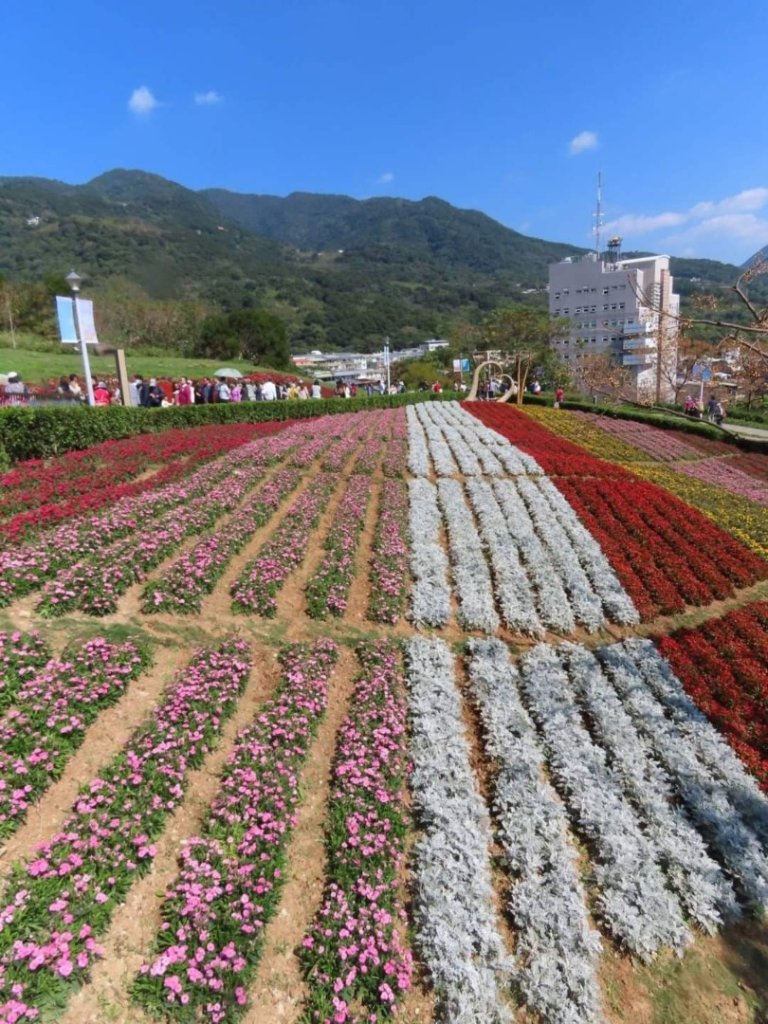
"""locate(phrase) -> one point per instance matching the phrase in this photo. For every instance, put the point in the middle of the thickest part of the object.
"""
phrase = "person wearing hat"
(101, 395)
(155, 394)
(15, 391)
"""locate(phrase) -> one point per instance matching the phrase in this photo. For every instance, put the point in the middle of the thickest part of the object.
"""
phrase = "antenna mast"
(599, 213)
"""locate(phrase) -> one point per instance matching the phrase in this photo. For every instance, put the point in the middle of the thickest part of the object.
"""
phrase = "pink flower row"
(95, 587)
(21, 655)
(389, 572)
(662, 445)
(328, 589)
(230, 876)
(722, 474)
(396, 452)
(359, 430)
(257, 587)
(55, 707)
(56, 905)
(26, 567)
(195, 572)
(354, 956)
(323, 431)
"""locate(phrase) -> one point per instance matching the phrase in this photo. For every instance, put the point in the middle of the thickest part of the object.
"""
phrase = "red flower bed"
(723, 666)
(37, 494)
(666, 554)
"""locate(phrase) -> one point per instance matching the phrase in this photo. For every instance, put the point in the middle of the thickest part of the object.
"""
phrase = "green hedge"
(41, 432)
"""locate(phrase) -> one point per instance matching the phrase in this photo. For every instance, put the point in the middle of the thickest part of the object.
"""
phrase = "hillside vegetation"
(340, 272)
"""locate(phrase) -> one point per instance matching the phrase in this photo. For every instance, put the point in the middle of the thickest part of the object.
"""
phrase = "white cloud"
(385, 178)
(207, 99)
(722, 225)
(142, 101)
(633, 224)
(582, 142)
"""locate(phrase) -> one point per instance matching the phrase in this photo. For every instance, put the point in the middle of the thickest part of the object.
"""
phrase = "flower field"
(437, 714)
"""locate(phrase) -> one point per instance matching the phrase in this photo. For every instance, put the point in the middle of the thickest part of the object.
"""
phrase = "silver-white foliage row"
(707, 742)
(418, 453)
(513, 592)
(472, 578)
(634, 901)
(513, 459)
(587, 606)
(456, 925)
(706, 894)
(440, 432)
(557, 949)
(551, 600)
(438, 445)
(618, 605)
(721, 798)
(430, 596)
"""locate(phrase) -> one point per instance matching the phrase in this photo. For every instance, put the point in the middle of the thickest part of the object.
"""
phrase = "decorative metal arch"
(511, 390)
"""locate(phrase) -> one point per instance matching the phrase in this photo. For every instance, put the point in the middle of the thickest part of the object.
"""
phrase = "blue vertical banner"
(85, 321)
(66, 314)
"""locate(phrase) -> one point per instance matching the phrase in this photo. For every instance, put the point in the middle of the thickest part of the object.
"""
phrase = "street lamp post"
(74, 281)
(386, 360)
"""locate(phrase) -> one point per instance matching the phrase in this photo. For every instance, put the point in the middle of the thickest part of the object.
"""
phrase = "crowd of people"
(153, 392)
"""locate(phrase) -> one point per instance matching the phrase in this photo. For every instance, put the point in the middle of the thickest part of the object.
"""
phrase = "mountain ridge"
(340, 271)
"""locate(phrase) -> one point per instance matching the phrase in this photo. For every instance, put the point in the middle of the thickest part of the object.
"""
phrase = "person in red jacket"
(101, 394)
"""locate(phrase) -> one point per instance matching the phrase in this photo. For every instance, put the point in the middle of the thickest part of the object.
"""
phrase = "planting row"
(56, 905)
(47, 721)
(742, 518)
(723, 666)
(660, 548)
(676, 829)
(36, 495)
(548, 572)
(354, 957)
(230, 877)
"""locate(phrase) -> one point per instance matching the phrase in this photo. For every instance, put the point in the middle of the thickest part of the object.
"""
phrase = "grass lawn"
(40, 367)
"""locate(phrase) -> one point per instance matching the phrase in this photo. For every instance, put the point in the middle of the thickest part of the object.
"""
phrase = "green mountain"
(430, 230)
(341, 272)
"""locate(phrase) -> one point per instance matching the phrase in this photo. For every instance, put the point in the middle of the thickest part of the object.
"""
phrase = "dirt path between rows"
(277, 993)
(134, 926)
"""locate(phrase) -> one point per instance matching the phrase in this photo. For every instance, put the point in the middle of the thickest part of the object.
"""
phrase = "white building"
(626, 308)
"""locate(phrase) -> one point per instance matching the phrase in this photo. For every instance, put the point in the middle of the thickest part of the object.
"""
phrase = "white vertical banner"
(66, 315)
(85, 322)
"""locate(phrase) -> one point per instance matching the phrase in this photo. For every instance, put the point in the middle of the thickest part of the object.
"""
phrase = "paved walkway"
(747, 430)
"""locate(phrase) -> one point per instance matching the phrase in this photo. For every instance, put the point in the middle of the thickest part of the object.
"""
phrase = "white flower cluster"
(634, 901)
(513, 592)
(618, 605)
(551, 599)
(561, 554)
(723, 800)
(438, 446)
(471, 576)
(418, 453)
(488, 443)
(431, 595)
(456, 925)
(443, 436)
(704, 891)
(557, 949)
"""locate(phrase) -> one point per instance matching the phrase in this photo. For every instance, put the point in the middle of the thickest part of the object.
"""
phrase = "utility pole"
(9, 310)
(660, 339)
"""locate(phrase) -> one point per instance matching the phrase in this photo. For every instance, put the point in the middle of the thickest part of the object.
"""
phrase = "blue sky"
(504, 106)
